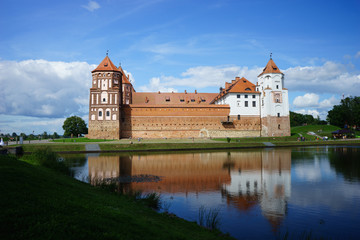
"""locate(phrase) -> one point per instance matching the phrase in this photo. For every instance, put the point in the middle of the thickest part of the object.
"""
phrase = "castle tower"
(105, 101)
(127, 88)
(274, 111)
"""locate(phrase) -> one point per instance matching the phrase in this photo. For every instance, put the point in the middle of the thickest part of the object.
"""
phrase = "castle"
(240, 109)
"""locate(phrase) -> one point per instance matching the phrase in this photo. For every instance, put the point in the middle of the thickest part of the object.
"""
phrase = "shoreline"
(114, 147)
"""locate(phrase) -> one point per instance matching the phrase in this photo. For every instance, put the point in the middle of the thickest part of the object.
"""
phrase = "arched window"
(100, 113)
(107, 113)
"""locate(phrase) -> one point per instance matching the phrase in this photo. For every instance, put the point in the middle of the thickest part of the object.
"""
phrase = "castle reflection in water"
(245, 179)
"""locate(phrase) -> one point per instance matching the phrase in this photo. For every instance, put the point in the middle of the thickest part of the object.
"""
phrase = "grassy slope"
(37, 203)
(322, 130)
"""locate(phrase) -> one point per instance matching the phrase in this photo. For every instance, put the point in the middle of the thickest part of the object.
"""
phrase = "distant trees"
(74, 126)
(298, 119)
(346, 113)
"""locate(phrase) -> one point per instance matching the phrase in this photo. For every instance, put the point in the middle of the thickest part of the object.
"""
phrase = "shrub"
(47, 158)
(209, 218)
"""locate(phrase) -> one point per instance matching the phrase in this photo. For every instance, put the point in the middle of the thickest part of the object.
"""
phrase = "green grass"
(39, 203)
(78, 140)
(321, 130)
(56, 147)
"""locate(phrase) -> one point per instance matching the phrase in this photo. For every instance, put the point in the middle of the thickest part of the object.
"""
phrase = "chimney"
(232, 81)
(185, 92)
(237, 78)
(221, 89)
(158, 92)
(195, 92)
(227, 85)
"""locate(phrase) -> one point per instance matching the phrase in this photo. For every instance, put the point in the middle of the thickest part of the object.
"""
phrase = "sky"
(49, 48)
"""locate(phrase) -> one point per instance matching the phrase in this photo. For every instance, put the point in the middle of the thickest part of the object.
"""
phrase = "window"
(246, 96)
(108, 113)
(239, 117)
(277, 100)
(193, 100)
(238, 96)
(167, 99)
(254, 96)
(104, 99)
(246, 103)
(100, 114)
(238, 103)
(182, 100)
(278, 114)
(277, 86)
(279, 126)
(254, 103)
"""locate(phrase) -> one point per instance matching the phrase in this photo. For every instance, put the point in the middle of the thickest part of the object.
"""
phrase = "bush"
(47, 158)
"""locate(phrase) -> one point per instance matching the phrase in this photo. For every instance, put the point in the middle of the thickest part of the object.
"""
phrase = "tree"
(14, 135)
(55, 135)
(347, 113)
(45, 135)
(74, 126)
(298, 119)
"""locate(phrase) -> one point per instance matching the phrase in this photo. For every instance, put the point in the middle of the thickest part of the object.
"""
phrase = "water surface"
(261, 194)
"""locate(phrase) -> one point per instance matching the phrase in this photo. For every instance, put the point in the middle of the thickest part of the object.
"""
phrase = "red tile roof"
(270, 68)
(125, 79)
(106, 65)
(239, 85)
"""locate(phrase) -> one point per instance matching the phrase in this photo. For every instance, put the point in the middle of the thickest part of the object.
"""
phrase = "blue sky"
(48, 48)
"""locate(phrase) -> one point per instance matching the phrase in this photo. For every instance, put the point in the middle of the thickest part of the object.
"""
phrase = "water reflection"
(261, 193)
(245, 178)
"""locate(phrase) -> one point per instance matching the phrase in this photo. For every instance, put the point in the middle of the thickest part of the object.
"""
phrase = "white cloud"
(331, 77)
(91, 6)
(357, 54)
(312, 112)
(329, 103)
(308, 100)
(204, 76)
(41, 88)
(155, 85)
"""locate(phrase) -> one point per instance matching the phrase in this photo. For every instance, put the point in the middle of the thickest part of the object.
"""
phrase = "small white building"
(267, 100)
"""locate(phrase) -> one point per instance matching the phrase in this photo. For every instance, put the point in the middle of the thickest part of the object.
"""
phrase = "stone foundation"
(103, 129)
(275, 126)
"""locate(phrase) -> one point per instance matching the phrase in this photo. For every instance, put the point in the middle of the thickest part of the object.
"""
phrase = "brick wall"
(104, 129)
(275, 126)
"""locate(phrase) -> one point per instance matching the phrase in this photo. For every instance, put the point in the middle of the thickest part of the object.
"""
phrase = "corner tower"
(274, 102)
(105, 101)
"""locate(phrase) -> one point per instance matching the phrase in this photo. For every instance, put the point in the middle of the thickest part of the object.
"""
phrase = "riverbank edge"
(62, 202)
(169, 147)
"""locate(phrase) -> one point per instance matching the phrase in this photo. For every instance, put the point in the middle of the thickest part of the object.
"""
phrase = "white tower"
(274, 102)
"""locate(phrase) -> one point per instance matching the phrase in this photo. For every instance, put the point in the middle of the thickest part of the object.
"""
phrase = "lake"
(259, 193)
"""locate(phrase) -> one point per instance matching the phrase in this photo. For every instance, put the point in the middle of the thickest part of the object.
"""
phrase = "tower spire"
(107, 52)
(271, 55)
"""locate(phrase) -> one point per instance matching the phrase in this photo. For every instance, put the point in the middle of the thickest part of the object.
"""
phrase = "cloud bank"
(41, 88)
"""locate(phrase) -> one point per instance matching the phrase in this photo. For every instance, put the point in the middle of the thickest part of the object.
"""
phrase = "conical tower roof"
(106, 65)
(270, 68)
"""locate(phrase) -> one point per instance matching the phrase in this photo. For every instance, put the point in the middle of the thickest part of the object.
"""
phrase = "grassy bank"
(210, 145)
(39, 203)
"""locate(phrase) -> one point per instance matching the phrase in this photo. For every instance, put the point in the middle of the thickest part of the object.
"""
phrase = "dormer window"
(167, 99)
(193, 100)
(247, 89)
